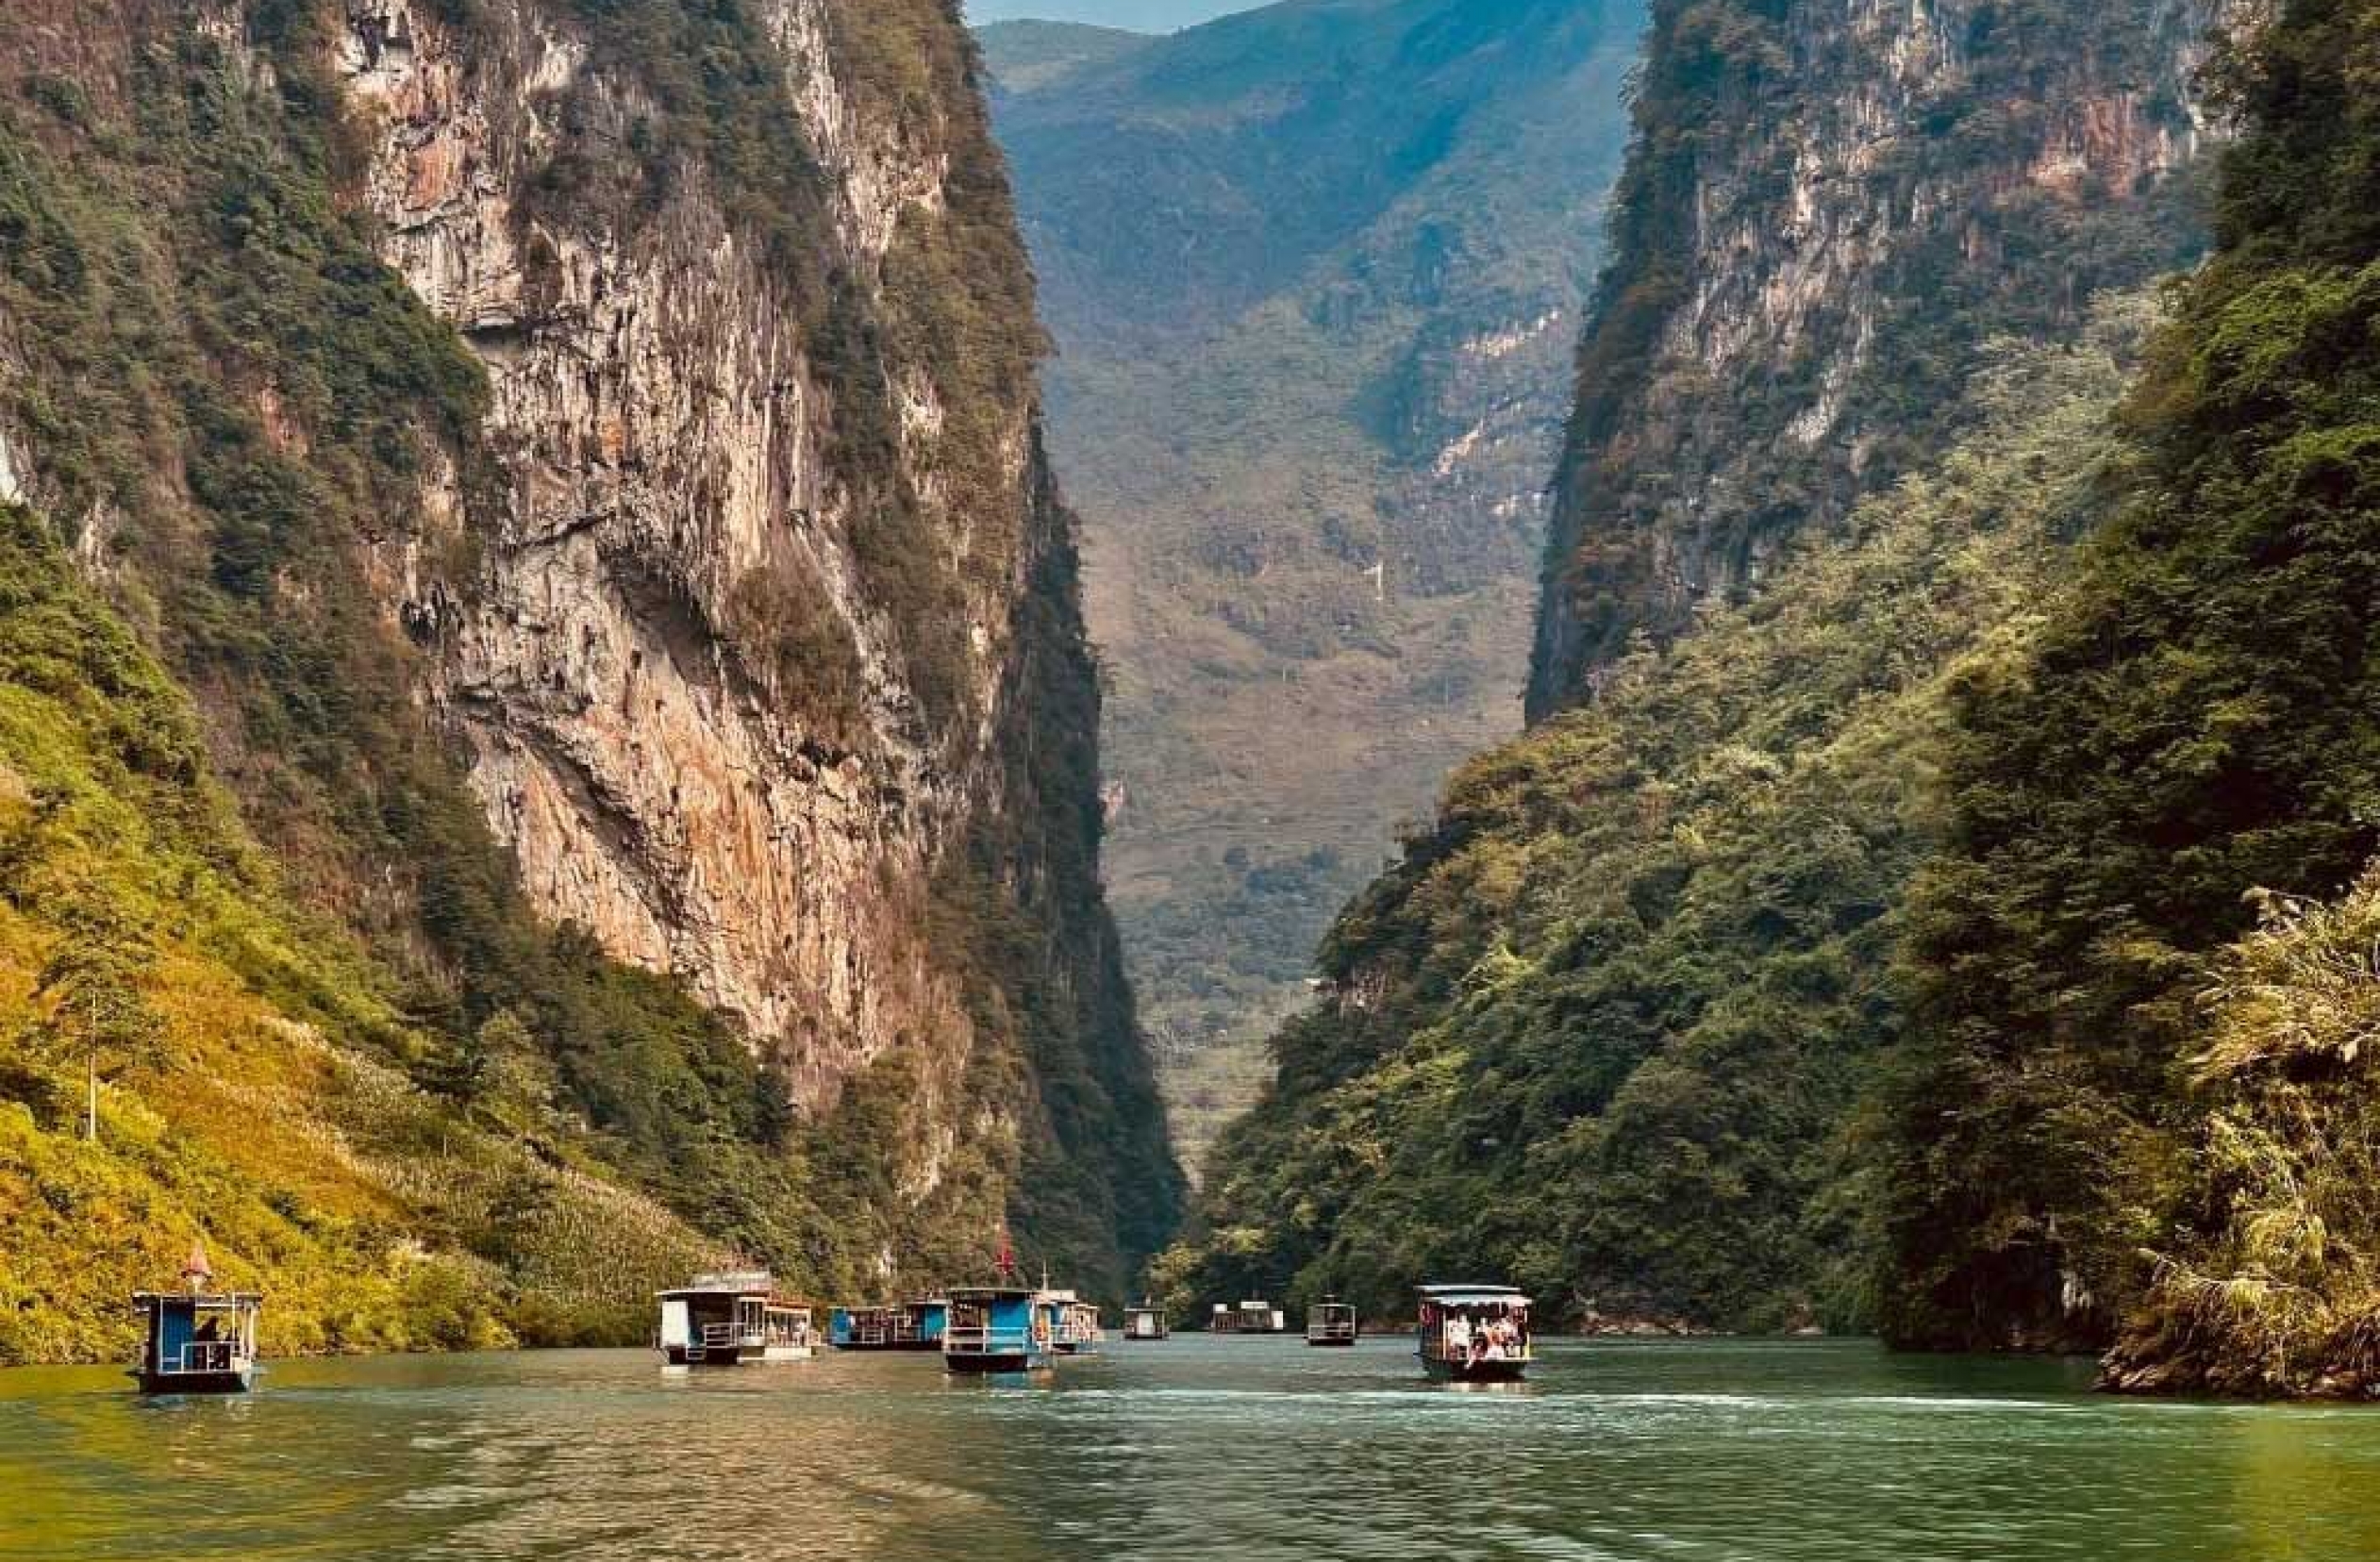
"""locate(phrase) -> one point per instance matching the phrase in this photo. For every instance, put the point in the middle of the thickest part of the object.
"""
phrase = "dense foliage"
(2195, 721)
(1605, 1030)
(2273, 1285)
(252, 1063)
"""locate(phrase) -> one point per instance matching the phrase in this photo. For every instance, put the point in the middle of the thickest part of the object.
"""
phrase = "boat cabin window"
(1477, 1331)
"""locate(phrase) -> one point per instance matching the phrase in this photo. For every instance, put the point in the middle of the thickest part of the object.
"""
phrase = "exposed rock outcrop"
(1833, 206)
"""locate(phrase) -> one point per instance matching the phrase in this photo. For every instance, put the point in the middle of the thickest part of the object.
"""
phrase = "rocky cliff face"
(660, 425)
(1833, 205)
(737, 587)
(697, 719)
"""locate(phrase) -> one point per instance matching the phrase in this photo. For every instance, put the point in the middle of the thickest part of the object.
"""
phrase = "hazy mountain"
(1147, 16)
(1026, 57)
(1314, 273)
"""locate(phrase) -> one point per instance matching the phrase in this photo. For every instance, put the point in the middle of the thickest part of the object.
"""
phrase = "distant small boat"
(1475, 1334)
(734, 1320)
(1075, 1325)
(1331, 1321)
(998, 1329)
(197, 1341)
(1145, 1322)
(1248, 1317)
(914, 1325)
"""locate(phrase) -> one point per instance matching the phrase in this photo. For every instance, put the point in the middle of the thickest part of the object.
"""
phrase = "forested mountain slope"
(579, 464)
(2114, 1122)
(1841, 404)
(1604, 1029)
(1314, 272)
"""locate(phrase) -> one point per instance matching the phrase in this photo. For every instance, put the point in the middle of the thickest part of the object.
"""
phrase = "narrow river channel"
(1196, 1448)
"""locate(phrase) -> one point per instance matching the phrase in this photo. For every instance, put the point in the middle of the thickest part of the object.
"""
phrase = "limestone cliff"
(661, 429)
(723, 572)
(1832, 206)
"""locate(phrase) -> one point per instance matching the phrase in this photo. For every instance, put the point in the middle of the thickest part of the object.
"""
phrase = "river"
(1196, 1448)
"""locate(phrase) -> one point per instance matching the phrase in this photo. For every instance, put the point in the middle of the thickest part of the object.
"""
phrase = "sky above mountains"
(1140, 15)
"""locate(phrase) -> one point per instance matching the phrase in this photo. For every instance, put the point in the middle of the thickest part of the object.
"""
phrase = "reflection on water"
(1194, 1448)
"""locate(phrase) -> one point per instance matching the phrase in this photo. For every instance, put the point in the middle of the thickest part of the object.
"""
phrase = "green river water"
(1196, 1448)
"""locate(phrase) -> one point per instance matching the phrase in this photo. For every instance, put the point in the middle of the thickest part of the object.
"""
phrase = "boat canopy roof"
(221, 1302)
(1473, 1296)
(739, 1282)
(991, 1293)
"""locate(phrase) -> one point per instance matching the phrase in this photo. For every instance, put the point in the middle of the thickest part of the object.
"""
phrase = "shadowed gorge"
(1314, 273)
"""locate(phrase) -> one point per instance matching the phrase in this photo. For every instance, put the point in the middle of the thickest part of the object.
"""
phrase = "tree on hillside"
(96, 982)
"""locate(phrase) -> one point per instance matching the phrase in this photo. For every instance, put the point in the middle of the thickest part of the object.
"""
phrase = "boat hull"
(985, 1363)
(238, 1380)
(1341, 1342)
(1473, 1372)
(747, 1356)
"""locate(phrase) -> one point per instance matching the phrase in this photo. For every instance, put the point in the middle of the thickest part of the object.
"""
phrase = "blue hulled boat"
(998, 1329)
(197, 1341)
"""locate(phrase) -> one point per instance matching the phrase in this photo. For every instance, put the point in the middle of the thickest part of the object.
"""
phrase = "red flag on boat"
(1008, 1257)
(196, 1268)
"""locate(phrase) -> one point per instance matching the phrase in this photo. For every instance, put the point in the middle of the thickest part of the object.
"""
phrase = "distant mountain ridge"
(1030, 56)
(1140, 16)
(1314, 274)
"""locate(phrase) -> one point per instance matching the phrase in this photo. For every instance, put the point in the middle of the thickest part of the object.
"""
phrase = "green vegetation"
(1293, 259)
(2195, 722)
(2272, 1287)
(1606, 1027)
(254, 1066)
(338, 1041)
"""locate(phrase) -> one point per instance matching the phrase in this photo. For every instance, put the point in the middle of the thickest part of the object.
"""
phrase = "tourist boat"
(1145, 1322)
(1075, 1327)
(920, 1324)
(197, 1341)
(1475, 1334)
(1331, 1321)
(915, 1325)
(998, 1329)
(1256, 1318)
(733, 1319)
